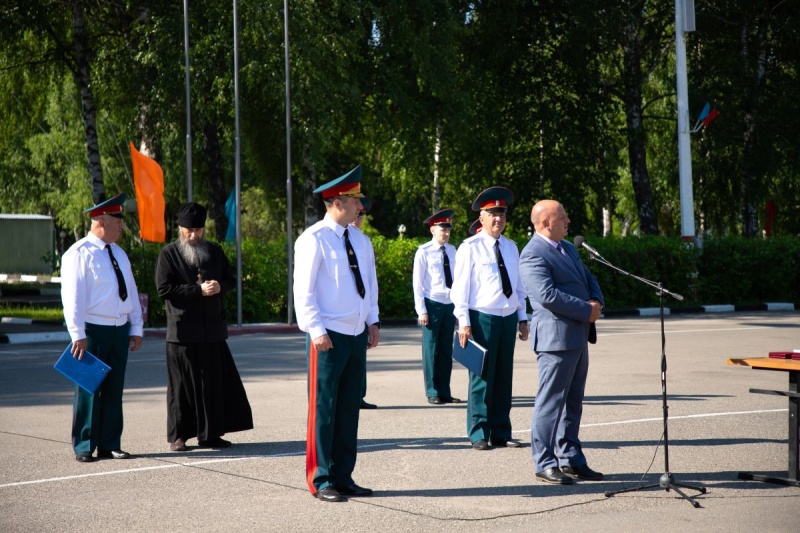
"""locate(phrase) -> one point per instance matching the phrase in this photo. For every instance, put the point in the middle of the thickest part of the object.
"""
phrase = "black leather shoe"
(215, 443)
(365, 405)
(330, 494)
(451, 400)
(554, 475)
(510, 443)
(435, 400)
(582, 472)
(480, 445)
(353, 490)
(112, 454)
(84, 457)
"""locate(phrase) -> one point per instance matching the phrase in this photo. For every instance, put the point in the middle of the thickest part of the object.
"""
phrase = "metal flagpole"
(188, 103)
(684, 22)
(289, 243)
(237, 172)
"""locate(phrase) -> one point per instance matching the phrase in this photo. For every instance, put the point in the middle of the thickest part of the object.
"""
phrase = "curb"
(159, 333)
(274, 328)
(723, 308)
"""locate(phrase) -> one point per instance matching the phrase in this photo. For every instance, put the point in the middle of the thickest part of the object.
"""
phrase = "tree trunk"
(83, 79)
(754, 84)
(437, 150)
(215, 177)
(635, 131)
(311, 207)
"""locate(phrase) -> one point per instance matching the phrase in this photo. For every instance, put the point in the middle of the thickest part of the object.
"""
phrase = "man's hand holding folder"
(472, 355)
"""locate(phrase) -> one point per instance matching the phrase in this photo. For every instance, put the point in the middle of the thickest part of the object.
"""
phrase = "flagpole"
(188, 103)
(684, 24)
(289, 243)
(237, 166)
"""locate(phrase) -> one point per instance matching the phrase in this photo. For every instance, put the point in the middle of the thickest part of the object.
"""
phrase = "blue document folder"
(88, 372)
(472, 357)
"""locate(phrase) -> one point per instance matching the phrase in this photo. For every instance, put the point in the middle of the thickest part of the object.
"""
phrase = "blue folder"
(472, 357)
(88, 372)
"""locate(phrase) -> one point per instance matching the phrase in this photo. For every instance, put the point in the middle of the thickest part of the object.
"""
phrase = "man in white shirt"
(336, 302)
(432, 279)
(103, 316)
(490, 307)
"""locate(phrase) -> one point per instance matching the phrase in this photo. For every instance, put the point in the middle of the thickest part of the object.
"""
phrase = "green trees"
(437, 99)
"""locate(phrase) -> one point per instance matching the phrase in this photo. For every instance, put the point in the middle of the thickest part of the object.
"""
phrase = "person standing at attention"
(366, 205)
(566, 301)
(432, 280)
(205, 395)
(490, 307)
(104, 317)
(336, 301)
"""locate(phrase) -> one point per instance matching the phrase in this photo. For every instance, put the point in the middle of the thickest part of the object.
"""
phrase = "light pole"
(684, 23)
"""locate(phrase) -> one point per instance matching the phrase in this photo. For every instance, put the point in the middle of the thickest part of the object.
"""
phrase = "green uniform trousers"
(335, 382)
(489, 407)
(97, 418)
(437, 348)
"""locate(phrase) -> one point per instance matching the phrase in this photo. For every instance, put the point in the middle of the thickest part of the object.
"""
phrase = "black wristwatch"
(378, 323)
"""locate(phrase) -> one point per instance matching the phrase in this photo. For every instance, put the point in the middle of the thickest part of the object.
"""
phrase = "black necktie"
(503, 272)
(448, 276)
(353, 260)
(123, 290)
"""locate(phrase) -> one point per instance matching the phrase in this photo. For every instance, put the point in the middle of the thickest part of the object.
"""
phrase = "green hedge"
(728, 270)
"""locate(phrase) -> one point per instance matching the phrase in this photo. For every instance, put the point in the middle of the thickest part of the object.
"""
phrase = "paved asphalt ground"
(416, 455)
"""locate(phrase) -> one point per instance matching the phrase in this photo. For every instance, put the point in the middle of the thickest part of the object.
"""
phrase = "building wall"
(25, 240)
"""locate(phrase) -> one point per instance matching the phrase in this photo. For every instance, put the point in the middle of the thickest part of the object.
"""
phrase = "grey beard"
(195, 254)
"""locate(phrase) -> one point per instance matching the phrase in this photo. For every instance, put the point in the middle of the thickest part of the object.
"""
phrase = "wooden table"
(792, 366)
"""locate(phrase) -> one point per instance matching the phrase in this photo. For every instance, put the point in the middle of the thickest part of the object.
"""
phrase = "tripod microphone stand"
(667, 480)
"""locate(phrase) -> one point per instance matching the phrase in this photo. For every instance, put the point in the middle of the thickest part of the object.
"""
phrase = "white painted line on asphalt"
(381, 445)
(682, 417)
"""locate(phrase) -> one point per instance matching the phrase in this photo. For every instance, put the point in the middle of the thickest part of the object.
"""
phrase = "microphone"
(580, 242)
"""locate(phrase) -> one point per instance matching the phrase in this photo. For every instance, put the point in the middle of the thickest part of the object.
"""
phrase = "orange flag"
(148, 178)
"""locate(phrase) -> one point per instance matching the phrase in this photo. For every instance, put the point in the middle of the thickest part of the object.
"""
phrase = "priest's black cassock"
(205, 395)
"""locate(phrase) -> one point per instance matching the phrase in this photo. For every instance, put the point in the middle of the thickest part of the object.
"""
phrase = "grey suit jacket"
(559, 289)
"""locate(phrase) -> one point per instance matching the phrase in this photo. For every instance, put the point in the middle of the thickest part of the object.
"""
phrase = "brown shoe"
(178, 446)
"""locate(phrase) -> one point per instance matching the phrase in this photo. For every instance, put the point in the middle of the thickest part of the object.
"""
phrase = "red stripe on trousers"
(311, 431)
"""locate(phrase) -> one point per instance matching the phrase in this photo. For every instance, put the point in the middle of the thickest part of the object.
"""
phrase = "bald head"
(550, 219)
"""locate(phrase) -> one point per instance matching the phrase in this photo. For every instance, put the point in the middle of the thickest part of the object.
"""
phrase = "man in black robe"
(205, 395)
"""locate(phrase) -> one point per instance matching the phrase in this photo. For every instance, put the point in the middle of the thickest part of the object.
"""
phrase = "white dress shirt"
(90, 292)
(477, 284)
(325, 294)
(428, 276)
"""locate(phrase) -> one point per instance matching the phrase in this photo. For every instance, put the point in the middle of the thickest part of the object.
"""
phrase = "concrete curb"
(723, 308)
(63, 336)
(284, 329)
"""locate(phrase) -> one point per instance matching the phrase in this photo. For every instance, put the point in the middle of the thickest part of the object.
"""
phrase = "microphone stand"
(667, 480)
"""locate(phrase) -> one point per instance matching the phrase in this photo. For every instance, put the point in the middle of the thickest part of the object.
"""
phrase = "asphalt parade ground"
(415, 455)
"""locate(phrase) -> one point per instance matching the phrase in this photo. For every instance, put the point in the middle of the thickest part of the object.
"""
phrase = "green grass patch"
(35, 313)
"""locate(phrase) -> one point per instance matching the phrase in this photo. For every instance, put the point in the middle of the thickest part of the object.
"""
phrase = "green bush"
(746, 271)
(657, 259)
(728, 270)
(394, 260)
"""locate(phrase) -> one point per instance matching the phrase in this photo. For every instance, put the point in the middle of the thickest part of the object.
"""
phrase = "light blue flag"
(230, 213)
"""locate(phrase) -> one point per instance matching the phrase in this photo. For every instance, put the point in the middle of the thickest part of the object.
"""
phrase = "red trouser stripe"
(311, 431)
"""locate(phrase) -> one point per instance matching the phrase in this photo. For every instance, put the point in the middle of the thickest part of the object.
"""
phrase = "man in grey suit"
(566, 301)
